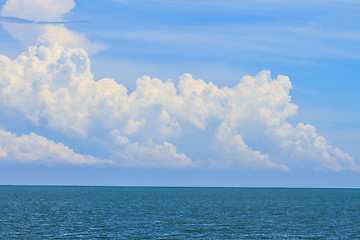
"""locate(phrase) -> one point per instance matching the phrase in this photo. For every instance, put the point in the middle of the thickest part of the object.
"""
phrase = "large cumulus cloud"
(159, 123)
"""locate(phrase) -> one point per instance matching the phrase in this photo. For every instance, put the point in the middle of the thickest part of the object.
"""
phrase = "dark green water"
(43, 212)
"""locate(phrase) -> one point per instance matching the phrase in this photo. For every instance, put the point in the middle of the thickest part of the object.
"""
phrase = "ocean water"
(56, 212)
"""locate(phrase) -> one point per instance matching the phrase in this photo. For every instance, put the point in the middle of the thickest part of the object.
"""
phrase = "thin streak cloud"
(27, 21)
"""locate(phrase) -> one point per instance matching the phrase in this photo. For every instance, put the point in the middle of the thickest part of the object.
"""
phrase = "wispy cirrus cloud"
(270, 30)
(247, 40)
(229, 4)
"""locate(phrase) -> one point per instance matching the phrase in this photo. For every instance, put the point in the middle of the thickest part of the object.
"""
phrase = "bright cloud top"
(44, 10)
(159, 124)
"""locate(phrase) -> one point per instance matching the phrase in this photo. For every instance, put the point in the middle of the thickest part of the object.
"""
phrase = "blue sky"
(184, 93)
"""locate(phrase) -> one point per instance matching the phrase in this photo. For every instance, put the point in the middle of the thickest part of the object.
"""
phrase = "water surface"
(55, 212)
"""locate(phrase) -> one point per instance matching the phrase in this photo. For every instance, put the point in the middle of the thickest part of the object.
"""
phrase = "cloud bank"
(160, 124)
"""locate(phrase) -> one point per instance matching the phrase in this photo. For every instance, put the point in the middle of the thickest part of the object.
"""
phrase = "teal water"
(35, 212)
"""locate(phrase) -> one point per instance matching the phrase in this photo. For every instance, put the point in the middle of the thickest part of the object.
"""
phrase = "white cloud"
(236, 151)
(35, 148)
(133, 126)
(2, 152)
(145, 154)
(70, 38)
(44, 10)
(54, 85)
(38, 10)
(152, 155)
(306, 145)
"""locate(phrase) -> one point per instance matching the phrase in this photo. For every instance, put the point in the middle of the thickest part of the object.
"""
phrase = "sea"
(81, 212)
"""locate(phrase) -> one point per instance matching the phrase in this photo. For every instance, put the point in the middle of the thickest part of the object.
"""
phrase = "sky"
(180, 93)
